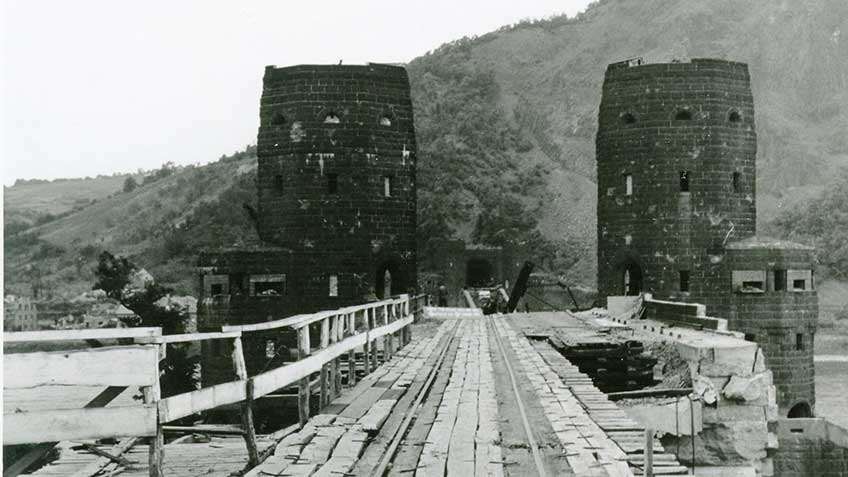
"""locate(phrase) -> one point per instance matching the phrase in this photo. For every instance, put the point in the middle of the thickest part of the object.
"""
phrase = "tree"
(130, 184)
(119, 278)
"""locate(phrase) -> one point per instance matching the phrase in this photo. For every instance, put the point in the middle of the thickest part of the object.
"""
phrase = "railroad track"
(414, 411)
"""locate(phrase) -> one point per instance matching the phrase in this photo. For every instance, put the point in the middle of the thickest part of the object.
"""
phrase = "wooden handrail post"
(649, 452)
(336, 335)
(351, 355)
(152, 395)
(303, 392)
(372, 365)
(324, 398)
(240, 368)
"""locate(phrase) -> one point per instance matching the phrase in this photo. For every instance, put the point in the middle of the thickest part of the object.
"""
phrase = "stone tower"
(676, 168)
(336, 214)
(337, 172)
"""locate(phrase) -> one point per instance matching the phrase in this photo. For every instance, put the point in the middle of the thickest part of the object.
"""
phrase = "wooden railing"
(342, 331)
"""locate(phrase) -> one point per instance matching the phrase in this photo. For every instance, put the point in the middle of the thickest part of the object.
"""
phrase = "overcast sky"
(95, 87)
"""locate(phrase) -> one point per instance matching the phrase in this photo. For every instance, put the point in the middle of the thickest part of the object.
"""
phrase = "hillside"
(538, 85)
(160, 225)
(506, 125)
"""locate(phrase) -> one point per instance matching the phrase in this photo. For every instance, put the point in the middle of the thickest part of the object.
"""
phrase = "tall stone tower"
(336, 214)
(676, 168)
(337, 172)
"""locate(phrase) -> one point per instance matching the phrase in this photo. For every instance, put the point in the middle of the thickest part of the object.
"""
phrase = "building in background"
(19, 314)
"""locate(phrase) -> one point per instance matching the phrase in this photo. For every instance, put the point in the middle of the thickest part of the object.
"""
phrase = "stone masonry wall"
(643, 131)
(775, 319)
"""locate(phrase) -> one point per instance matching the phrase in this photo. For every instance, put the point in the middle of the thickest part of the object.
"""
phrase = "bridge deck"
(470, 395)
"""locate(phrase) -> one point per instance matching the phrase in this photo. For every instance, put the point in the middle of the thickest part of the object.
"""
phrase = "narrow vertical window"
(628, 239)
(736, 176)
(278, 183)
(387, 186)
(684, 181)
(684, 280)
(332, 183)
(334, 285)
(799, 341)
(628, 184)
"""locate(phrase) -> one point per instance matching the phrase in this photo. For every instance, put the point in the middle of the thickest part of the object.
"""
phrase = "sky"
(96, 87)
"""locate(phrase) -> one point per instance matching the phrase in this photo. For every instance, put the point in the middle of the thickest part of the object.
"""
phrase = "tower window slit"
(332, 183)
(736, 176)
(684, 280)
(628, 184)
(684, 181)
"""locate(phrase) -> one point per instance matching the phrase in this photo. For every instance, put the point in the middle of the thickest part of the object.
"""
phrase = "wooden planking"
(80, 335)
(409, 452)
(488, 459)
(110, 366)
(434, 455)
(77, 424)
(186, 404)
(588, 448)
(462, 440)
(410, 382)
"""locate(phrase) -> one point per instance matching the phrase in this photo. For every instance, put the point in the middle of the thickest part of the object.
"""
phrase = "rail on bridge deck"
(118, 367)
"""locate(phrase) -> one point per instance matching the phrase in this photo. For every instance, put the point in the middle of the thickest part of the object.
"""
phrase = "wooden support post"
(338, 335)
(649, 452)
(387, 347)
(325, 369)
(303, 391)
(372, 358)
(240, 368)
(152, 395)
(351, 355)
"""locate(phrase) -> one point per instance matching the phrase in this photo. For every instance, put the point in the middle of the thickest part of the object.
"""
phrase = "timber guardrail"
(342, 331)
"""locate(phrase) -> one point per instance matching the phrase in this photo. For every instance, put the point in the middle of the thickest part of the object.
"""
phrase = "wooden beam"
(156, 453)
(240, 369)
(303, 389)
(186, 404)
(110, 457)
(110, 366)
(188, 337)
(78, 424)
(116, 450)
(649, 453)
(300, 321)
(41, 450)
(221, 430)
(80, 335)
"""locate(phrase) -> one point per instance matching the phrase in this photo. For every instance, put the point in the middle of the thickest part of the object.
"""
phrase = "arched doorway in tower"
(389, 280)
(479, 272)
(631, 278)
(802, 409)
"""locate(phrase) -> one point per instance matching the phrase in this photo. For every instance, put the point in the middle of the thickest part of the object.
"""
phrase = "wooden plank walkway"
(439, 407)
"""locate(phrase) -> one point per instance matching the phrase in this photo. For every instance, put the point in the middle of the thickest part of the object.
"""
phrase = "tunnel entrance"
(478, 273)
(389, 280)
(802, 409)
(632, 279)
